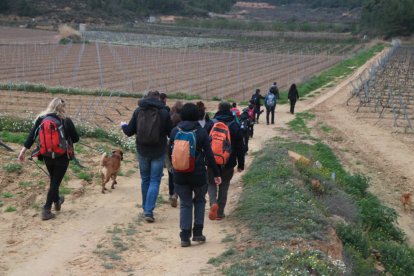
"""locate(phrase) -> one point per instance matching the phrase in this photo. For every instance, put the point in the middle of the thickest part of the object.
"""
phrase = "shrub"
(356, 263)
(354, 237)
(10, 209)
(12, 168)
(397, 258)
(379, 220)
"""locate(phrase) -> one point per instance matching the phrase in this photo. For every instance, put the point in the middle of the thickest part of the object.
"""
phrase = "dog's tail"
(103, 159)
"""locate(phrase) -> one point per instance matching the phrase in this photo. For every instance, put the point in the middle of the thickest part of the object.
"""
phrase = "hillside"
(111, 10)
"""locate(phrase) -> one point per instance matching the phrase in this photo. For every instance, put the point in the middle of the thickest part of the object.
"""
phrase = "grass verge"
(43, 88)
(341, 70)
(281, 206)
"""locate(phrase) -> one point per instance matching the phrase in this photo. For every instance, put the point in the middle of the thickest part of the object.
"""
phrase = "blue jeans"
(151, 173)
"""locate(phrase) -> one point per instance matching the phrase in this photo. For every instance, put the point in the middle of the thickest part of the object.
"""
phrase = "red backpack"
(220, 143)
(250, 111)
(52, 141)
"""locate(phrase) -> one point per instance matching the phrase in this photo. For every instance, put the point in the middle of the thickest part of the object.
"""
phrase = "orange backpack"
(220, 143)
(184, 151)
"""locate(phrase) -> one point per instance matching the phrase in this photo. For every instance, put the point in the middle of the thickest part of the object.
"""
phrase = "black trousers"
(270, 110)
(57, 169)
(257, 113)
(170, 183)
(246, 135)
(292, 106)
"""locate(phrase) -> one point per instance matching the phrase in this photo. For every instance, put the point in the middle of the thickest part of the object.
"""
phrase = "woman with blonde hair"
(56, 134)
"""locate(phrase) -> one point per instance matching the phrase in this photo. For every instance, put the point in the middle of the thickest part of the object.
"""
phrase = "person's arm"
(131, 128)
(33, 134)
(171, 142)
(206, 146)
(30, 140)
(71, 130)
(168, 124)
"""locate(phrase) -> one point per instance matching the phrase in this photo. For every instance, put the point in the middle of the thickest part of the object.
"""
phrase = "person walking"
(175, 119)
(270, 104)
(53, 124)
(151, 123)
(246, 127)
(191, 181)
(218, 194)
(256, 100)
(293, 96)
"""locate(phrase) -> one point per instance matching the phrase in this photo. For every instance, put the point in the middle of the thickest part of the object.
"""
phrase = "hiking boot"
(174, 200)
(200, 239)
(185, 238)
(212, 215)
(47, 214)
(58, 205)
(149, 218)
(198, 233)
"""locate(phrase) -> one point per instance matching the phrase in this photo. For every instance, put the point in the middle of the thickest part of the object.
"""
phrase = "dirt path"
(65, 245)
(369, 146)
(88, 224)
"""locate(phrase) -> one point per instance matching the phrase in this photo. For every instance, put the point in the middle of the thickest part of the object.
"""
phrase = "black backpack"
(148, 126)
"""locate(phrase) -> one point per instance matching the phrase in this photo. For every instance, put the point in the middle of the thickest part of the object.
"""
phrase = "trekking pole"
(6, 146)
(83, 144)
(31, 159)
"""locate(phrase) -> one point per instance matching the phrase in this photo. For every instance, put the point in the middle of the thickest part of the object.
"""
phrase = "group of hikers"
(201, 153)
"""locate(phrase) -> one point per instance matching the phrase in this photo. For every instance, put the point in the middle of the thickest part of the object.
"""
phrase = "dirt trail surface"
(77, 242)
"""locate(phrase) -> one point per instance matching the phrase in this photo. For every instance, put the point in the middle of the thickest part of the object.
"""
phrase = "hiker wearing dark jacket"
(192, 186)
(151, 155)
(293, 96)
(256, 100)
(218, 194)
(57, 166)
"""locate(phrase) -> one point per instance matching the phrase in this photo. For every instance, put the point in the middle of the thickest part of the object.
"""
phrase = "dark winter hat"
(189, 112)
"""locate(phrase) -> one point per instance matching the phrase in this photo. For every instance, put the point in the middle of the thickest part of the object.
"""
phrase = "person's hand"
(239, 169)
(21, 154)
(123, 124)
(217, 180)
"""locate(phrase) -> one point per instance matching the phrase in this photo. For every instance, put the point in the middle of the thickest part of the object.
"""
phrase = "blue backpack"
(270, 100)
(184, 151)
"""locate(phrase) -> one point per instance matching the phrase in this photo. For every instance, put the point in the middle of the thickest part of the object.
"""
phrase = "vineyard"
(222, 67)
(386, 90)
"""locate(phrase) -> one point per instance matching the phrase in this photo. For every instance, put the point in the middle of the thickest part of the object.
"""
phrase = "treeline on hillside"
(388, 17)
(121, 7)
(380, 17)
(318, 3)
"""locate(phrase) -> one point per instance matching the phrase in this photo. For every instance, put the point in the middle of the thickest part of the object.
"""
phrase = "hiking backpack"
(270, 100)
(52, 141)
(244, 120)
(148, 126)
(220, 143)
(251, 113)
(184, 151)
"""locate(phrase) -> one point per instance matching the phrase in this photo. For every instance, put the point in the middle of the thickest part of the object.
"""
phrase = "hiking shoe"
(185, 243)
(149, 218)
(201, 238)
(212, 215)
(47, 214)
(58, 205)
(174, 200)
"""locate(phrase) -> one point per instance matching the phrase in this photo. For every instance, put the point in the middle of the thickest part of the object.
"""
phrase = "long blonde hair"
(57, 106)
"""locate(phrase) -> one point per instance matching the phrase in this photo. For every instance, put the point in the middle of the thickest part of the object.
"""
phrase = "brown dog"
(406, 201)
(110, 167)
